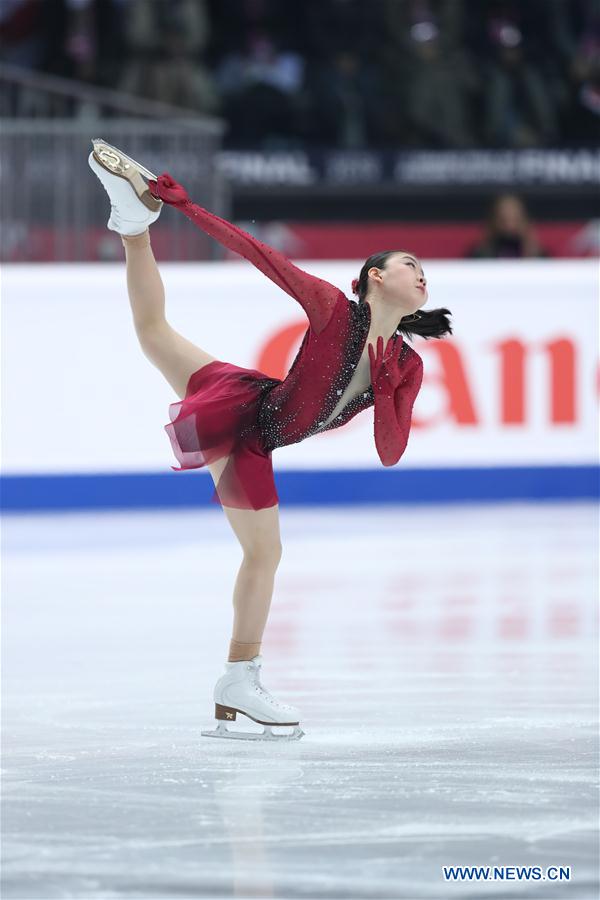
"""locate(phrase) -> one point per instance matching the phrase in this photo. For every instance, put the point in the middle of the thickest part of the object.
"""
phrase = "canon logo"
(514, 367)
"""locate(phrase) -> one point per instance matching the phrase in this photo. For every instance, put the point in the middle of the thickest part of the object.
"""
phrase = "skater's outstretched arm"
(316, 296)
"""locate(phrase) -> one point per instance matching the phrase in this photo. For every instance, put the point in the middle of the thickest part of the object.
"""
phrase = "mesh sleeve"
(316, 296)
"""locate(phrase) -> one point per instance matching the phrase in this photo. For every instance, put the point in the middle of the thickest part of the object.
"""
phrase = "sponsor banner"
(516, 385)
(572, 167)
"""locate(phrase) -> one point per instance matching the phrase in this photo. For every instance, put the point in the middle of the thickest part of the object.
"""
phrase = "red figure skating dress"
(230, 411)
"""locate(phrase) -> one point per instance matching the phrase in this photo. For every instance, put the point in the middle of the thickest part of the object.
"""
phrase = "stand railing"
(51, 205)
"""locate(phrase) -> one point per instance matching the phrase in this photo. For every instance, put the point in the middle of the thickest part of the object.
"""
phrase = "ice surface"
(444, 660)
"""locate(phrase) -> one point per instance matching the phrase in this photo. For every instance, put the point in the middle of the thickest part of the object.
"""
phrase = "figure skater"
(229, 419)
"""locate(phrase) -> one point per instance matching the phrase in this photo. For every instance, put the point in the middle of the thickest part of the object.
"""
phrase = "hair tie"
(355, 285)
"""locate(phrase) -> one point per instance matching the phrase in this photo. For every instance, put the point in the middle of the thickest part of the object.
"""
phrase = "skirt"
(217, 419)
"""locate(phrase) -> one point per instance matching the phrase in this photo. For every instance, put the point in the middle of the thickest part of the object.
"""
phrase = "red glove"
(393, 406)
(167, 190)
(386, 371)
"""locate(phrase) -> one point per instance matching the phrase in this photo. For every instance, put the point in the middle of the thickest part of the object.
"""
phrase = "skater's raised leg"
(133, 210)
(175, 356)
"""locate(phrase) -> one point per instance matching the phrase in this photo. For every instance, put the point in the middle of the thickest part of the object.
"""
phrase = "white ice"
(444, 660)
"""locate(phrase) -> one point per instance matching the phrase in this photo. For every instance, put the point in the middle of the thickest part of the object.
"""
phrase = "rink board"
(508, 407)
(307, 488)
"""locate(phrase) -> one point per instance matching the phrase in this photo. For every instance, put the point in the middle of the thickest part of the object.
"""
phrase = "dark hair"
(425, 323)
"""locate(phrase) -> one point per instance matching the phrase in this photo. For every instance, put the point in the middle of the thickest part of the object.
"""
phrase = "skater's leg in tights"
(260, 539)
(176, 357)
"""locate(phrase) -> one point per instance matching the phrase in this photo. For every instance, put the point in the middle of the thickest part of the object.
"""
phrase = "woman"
(230, 419)
(508, 232)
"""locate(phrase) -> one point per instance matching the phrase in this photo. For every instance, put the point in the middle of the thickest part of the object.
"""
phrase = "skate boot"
(239, 691)
(132, 207)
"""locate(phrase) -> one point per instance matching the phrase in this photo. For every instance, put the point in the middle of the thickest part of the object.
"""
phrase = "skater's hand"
(168, 190)
(386, 371)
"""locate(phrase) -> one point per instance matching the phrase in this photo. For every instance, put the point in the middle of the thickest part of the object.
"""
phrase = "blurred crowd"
(335, 73)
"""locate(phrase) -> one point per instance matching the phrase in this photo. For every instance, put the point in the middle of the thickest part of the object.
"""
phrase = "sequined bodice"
(327, 384)
(359, 384)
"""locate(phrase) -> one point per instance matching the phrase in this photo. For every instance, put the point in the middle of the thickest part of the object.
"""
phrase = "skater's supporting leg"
(259, 535)
(239, 691)
(175, 356)
(251, 602)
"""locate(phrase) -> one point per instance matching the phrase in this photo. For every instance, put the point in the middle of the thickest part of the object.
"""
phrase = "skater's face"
(402, 280)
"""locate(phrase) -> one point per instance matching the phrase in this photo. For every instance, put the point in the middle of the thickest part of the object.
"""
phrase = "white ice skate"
(239, 691)
(132, 207)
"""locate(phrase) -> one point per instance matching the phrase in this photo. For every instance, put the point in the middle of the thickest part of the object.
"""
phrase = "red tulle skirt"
(217, 419)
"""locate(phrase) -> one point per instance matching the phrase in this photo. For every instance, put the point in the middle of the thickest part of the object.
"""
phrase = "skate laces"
(258, 687)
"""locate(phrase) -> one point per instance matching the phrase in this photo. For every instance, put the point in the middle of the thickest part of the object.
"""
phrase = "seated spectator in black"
(165, 42)
(259, 86)
(230, 19)
(518, 109)
(508, 232)
(346, 107)
(581, 114)
(83, 38)
(334, 25)
(441, 84)
(430, 84)
(23, 41)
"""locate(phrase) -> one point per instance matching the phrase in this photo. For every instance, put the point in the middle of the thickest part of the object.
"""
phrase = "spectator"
(23, 42)
(440, 89)
(22, 37)
(335, 26)
(346, 108)
(482, 20)
(232, 18)
(260, 85)
(433, 85)
(82, 40)
(508, 232)
(71, 29)
(518, 108)
(165, 41)
(582, 110)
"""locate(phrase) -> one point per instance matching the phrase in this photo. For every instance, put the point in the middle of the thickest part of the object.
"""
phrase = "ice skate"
(239, 691)
(133, 207)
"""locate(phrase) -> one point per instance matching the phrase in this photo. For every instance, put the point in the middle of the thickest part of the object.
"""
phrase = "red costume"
(243, 414)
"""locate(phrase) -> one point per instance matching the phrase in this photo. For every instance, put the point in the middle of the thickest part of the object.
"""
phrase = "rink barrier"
(21, 493)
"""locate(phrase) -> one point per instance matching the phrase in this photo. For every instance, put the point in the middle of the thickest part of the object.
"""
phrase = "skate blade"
(101, 146)
(118, 163)
(221, 731)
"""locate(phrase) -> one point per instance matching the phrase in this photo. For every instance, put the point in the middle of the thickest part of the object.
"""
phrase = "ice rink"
(444, 659)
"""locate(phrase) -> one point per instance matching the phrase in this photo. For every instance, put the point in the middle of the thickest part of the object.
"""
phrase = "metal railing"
(28, 94)
(52, 207)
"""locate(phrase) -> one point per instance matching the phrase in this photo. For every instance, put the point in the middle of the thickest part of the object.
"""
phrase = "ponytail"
(432, 323)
